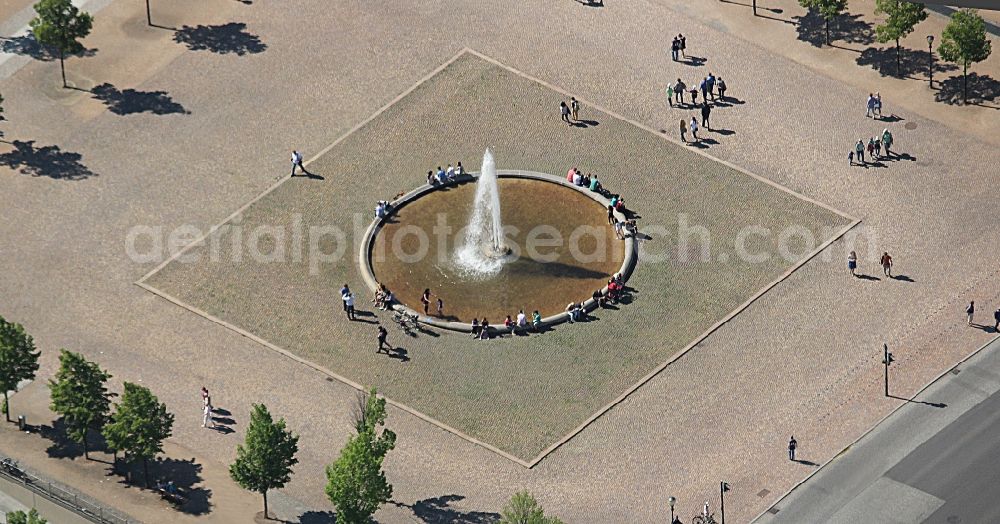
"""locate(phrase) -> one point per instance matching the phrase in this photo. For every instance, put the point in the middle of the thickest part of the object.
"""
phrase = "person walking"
(679, 88)
(706, 111)
(722, 89)
(859, 148)
(877, 109)
(683, 131)
(850, 157)
(675, 48)
(971, 310)
(205, 398)
(996, 320)
(425, 299)
(574, 107)
(887, 141)
(878, 149)
(297, 163)
(682, 45)
(349, 305)
(694, 95)
(207, 421)
(852, 262)
(694, 129)
(870, 112)
(611, 209)
(703, 86)
(383, 346)
(886, 264)
(871, 149)
(670, 95)
(792, 444)
(344, 291)
(710, 81)
(564, 111)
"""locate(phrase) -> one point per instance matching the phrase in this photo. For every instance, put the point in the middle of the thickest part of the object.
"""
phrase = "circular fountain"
(549, 244)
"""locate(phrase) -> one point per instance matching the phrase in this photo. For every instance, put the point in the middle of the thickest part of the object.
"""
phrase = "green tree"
(20, 517)
(828, 9)
(139, 426)
(264, 461)
(964, 41)
(901, 17)
(18, 358)
(524, 509)
(356, 483)
(80, 396)
(61, 25)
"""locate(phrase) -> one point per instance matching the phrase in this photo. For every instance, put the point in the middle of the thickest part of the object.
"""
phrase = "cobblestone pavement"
(802, 360)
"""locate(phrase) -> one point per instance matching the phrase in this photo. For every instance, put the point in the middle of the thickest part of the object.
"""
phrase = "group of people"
(383, 298)
(874, 106)
(425, 299)
(616, 286)
(971, 312)
(874, 148)
(677, 47)
(481, 329)
(885, 261)
(569, 112)
(444, 176)
(709, 86)
(577, 178)
(382, 209)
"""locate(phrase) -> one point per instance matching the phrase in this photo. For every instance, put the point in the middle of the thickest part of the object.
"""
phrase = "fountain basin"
(546, 283)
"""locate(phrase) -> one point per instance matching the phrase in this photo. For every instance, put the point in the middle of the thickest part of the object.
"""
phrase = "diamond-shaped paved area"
(802, 360)
(520, 394)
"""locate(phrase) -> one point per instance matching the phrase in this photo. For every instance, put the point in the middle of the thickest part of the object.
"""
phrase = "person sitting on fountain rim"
(522, 320)
(574, 311)
(620, 204)
(577, 178)
(430, 178)
(586, 181)
(459, 170)
(595, 185)
(620, 229)
(599, 298)
(508, 324)
(484, 329)
(475, 327)
(449, 173)
(536, 320)
(441, 176)
(569, 175)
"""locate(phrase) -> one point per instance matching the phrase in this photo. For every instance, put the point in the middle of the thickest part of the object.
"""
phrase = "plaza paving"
(802, 359)
(507, 392)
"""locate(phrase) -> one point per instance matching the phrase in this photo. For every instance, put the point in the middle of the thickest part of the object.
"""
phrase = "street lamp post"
(887, 359)
(671, 501)
(930, 61)
(723, 488)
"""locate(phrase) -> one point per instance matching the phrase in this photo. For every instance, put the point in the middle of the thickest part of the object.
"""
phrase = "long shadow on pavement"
(47, 161)
(222, 39)
(130, 101)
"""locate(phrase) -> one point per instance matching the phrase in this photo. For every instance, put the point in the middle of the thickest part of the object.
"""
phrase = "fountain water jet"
(484, 251)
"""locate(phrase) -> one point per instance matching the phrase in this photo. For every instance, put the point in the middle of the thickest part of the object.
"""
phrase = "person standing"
(440, 308)
(850, 157)
(297, 163)
(706, 111)
(886, 264)
(564, 111)
(683, 131)
(425, 299)
(871, 149)
(349, 305)
(703, 86)
(722, 89)
(682, 45)
(792, 444)
(383, 346)
(870, 112)
(971, 310)
(205, 398)
(344, 291)
(878, 149)
(694, 129)
(207, 421)
(574, 106)
(679, 88)
(877, 110)
(670, 95)
(996, 320)
(675, 48)
(710, 81)
(611, 207)
(887, 141)
(852, 262)
(859, 148)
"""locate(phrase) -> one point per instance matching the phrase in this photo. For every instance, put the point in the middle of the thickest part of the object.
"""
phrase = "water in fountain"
(484, 250)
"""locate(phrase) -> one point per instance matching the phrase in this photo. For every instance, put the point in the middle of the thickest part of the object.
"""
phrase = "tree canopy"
(61, 25)
(79, 394)
(356, 483)
(524, 509)
(20, 517)
(139, 425)
(901, 18)
(964, 42)
(264, 461)
(828, 9)
(18, 358)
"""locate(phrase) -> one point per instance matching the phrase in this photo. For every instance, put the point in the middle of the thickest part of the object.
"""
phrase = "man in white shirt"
(297, 162)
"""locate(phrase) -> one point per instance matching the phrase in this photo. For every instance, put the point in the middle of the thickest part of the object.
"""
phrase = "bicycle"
(407, 322)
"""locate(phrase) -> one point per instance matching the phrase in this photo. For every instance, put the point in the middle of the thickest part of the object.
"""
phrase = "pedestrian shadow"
(222, 39)
(45, 161)
(131, 101)
(893, 157)
(222, 412)
(866, 277)
(983, 327)
(723, 132)
(400, 354)
(438, 510)
(694, 61)
(590, 3)
(585, 123)
(982, 89)
(940, 405)
(891, 118)
(806, 463)
(902, 278)
(704, 143)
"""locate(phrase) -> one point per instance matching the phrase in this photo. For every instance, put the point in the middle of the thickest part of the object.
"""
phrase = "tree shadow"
(47, 161)
(222, 39)
(131, 101)
(185, 474)
(590, 3)
(26, 45)
(62, 446)
(982, 88)
(940, 405)
(848, 28)
(912, 62)
(438, 510)
(318, 517)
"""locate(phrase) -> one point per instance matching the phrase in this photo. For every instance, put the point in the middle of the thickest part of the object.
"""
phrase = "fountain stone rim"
(368, 274)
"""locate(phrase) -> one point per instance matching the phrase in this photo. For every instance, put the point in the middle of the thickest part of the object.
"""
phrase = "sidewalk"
(854, 486)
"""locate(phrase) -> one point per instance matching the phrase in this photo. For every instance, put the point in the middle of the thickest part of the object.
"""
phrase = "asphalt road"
(933, 461)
